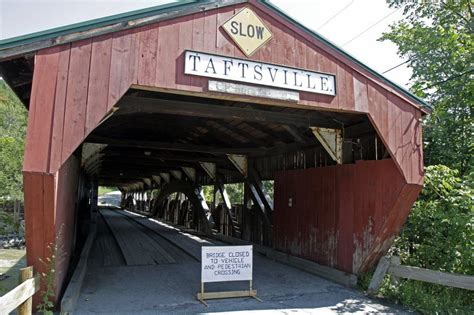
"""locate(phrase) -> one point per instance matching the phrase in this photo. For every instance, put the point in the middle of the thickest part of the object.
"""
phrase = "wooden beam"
(168, 146)
(260, 189)
(242, 133)
(240, 162)
(144, 105)
(255, 152)
(331, 140)
(165, 157)
(210, 168)
(378, 275)
(295, 133)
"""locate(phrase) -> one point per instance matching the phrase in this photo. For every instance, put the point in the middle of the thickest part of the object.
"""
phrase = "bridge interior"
(141, 265)
(161, 149)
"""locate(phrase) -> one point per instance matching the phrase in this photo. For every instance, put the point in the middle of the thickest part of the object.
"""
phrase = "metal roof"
(24, 44)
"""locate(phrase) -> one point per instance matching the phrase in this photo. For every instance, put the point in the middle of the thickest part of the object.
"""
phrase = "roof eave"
(22, 45)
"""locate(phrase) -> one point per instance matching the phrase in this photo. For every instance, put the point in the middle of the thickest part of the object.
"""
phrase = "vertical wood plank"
(134, 57)
(38, 137)
(361, 100)
(120, 79)
(26, 308)
(49, 214)
(67, 183)
(98, 82)
(59, 109)
(33, 209)
(237, 52)
(301, 49)
(204, 26)
(168, 47)
(345, 88)
(185, 42)
(33, 194)
(76, 98)
(148, 52)
(224, 44)
(210, 31)
(418, 170)
(408, 130)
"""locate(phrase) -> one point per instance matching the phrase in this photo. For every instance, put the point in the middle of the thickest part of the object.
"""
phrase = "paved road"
(171, 289)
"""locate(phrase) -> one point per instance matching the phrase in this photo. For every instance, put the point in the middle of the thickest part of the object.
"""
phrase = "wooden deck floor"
(127, 239)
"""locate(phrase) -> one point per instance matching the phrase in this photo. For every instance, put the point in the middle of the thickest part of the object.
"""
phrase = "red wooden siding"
(50, 204)
(67, 178)
(342, 216)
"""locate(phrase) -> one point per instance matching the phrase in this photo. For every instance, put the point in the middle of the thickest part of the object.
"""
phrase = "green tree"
(438, 235)
(436, 37)
(13, 120)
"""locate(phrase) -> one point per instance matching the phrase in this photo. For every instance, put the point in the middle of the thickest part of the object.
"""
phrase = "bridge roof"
(24, 45)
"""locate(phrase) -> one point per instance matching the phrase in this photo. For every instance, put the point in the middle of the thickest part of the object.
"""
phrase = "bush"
(438, 235)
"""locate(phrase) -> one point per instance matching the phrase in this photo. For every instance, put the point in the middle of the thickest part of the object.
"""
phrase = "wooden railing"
(392, 267)
(20, 297)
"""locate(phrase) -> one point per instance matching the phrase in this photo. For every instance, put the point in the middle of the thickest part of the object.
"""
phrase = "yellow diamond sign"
(247, 31)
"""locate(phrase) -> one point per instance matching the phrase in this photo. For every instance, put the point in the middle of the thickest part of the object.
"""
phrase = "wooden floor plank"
(145, 242)
(188, 244)
(126, 235)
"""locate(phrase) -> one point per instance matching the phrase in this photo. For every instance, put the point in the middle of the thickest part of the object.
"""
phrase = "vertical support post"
(27, 306)
(394, 261)
(379, 274)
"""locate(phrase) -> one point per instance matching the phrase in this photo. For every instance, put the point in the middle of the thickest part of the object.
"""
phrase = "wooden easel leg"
(250, 291)
(202, 295)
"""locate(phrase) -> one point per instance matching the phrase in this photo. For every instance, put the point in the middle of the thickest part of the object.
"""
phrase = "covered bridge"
(163, 101)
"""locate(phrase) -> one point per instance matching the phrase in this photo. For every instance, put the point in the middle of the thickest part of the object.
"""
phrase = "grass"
(423, 297)
(18, 256)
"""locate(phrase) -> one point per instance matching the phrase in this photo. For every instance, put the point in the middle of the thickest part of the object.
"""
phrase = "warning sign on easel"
(226, 263)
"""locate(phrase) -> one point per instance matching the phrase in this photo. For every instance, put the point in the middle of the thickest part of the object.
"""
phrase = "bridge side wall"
(50, 213)
(342, 216)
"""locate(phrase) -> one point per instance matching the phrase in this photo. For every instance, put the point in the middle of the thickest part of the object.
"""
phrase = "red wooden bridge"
(110, 104)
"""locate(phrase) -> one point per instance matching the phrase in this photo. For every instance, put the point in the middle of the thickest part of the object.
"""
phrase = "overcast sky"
(354, 25)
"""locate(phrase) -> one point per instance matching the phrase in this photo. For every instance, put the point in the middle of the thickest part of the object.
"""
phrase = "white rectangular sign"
(242, 70)
(226, 263)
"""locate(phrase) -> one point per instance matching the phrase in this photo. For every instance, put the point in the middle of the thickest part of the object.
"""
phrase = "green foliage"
(7, 223)
(235, 192)
(56, 253)
(105, 189)
(439, 232)
(438, 235)
(13, 119)
(46, 305)
(429, 298)
(437, 39)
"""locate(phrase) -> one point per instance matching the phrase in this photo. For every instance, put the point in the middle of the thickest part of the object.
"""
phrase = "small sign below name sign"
(260, 73)
(226, 263)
